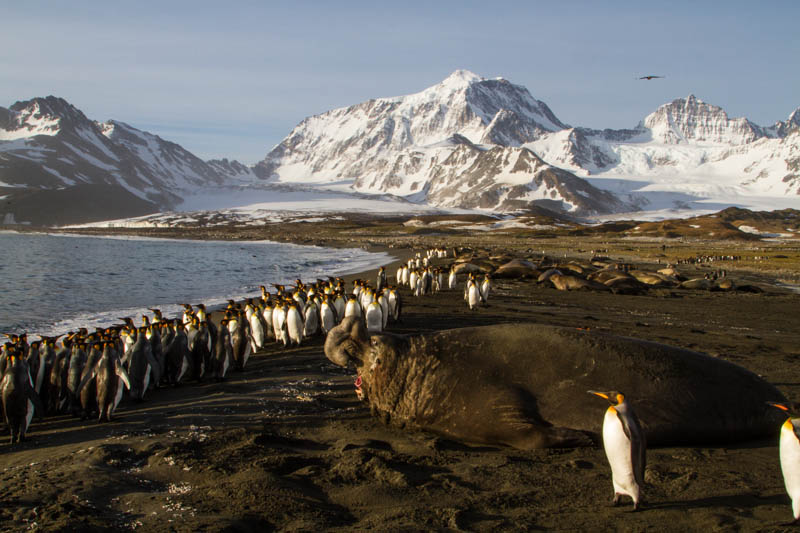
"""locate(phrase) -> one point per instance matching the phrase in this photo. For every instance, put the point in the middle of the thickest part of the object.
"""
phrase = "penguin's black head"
(613, 397)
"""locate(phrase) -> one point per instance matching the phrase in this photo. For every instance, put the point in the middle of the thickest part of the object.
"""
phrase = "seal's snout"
(334, 349)
(343, 345)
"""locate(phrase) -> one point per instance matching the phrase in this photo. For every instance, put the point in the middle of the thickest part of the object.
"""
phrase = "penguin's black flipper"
(120, 371)
(38, 408)
(155, 368)
(86, 379)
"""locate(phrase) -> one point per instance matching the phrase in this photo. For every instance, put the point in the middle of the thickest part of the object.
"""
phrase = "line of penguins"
(86, 374)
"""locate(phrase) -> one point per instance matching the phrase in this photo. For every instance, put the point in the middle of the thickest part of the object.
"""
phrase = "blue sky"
(232, 79)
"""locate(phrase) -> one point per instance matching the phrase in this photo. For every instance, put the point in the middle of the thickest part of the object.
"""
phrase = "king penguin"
(486, 287)
(17, 395)
(473, 294)
(790, 458)
(239, 329)
(395, 304)
(177, 356)
(294, 324)
(266, 314)
(311, 319)
(327, 314)
(380, 283)
(279, 323)
(340, 306)
(353, 308)
(451, 280)
(223, 352)
(374, 317)
(111, 379)
(625, 446)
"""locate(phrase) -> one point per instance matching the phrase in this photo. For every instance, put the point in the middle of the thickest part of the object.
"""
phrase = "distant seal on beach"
(516, 269)
(524, 385)
(568, 282)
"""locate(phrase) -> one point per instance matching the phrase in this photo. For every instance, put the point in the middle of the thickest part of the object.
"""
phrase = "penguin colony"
(423, 279)
(86, 374)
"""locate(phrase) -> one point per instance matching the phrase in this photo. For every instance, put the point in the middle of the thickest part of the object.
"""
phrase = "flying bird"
(650, 77)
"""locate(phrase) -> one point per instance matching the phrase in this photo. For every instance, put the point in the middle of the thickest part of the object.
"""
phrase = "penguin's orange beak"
(601, 394)
(779, 406)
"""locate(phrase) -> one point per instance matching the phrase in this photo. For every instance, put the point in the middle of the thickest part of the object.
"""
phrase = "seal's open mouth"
(359, 392)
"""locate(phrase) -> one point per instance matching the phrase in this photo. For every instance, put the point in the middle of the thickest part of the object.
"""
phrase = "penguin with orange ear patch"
(17, 395)
(790, 458)
(625, 446)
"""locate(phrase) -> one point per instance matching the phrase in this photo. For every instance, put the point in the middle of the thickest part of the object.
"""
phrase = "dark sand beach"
(286, 445)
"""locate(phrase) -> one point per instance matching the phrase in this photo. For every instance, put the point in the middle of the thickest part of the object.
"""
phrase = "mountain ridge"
(403, 145)
(47, 144)
(467, 142)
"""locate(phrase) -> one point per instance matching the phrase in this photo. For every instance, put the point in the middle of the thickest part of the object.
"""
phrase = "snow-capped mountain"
(456, 144)
(686, 146)
(48, 144)
(467, 142)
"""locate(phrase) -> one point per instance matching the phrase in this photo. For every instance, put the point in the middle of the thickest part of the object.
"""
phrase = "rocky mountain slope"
(456, 144)
(467, 142)
(54, 157)
(689, 144)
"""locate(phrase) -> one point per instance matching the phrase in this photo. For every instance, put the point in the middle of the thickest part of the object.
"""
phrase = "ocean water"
(51, 284)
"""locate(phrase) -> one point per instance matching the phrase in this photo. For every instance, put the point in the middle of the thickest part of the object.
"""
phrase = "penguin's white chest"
(294, 323)
(374, 318)
(618, 449)
(352, 309)
(474, 296)
(790, 464)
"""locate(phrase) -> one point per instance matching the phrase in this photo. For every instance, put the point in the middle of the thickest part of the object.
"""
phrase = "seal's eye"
(376, 361)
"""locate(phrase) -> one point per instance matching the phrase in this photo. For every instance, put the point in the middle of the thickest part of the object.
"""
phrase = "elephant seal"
(568, 282)
(524, 385)
(517, 269)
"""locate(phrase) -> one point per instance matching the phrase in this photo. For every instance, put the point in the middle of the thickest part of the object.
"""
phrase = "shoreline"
(286, 445)
(106, 314)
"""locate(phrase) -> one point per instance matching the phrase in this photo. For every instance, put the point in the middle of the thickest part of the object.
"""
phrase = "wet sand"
(285, 444)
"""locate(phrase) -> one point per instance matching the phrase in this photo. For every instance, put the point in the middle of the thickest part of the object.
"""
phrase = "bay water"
(54, 283)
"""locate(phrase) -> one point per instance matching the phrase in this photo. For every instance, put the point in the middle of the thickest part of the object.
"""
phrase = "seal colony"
(299, 454)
